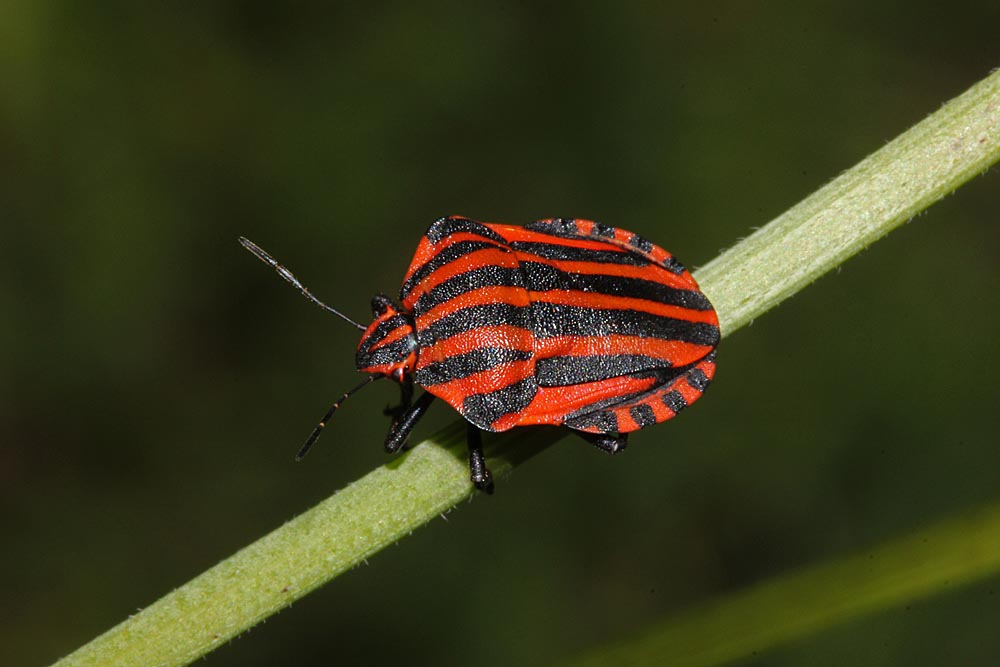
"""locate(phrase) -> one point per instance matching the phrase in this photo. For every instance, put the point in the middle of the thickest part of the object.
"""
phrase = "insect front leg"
(478, 472)
(401, 427)
(405, 401)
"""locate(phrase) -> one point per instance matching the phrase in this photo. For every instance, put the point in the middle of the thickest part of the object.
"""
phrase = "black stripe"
(446, 256)
(381, 331)
(568, 229)
(478, 278)
(473, 317)
(604, 230)
(641, 244)
(572, 254)
(571, 370)
(388, 354)
(674, 400)
(464, 365)
(562, 227)
(643, 415)
(552, 320)
(605, 422)
(484, 409)
(697, 379)
(542, 277)
(445, 227)
(671, 264)
(614, 402)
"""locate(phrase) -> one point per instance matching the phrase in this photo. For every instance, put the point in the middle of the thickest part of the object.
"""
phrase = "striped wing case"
(560, 322)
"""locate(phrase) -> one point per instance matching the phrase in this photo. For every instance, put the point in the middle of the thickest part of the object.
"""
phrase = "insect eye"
(380, 304)
(398, 374)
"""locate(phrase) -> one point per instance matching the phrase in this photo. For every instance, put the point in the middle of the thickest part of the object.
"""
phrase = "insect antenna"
(263, 256)
(314, 436)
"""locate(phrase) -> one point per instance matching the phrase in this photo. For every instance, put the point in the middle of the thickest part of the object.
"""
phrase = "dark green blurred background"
(155, 379)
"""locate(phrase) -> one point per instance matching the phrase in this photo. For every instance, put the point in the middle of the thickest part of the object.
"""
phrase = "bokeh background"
(155, 379)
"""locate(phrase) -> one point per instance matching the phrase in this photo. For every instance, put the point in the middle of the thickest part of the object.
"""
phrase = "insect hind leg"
(478, 472)
(611, 443)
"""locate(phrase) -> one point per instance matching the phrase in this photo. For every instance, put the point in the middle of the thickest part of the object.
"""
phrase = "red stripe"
(402, 331)
(426, 251)
(513, 233)
(673, 352)
(467, 262)
(651, 272)
(552, 404)
(496, 336)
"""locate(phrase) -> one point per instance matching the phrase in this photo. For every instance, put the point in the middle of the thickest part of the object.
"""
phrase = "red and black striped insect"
(561, 322)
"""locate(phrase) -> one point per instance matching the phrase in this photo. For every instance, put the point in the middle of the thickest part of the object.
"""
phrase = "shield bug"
(561, 322)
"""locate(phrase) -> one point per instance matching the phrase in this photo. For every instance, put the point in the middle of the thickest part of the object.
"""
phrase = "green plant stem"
(788, 607)
(901, 179)
(892, 185)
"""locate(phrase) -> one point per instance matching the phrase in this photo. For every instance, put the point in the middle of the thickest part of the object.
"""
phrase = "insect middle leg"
(403, 425)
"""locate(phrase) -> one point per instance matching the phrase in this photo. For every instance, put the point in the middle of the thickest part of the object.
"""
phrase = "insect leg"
(610, 443)
(405, 401)
(402, 426)
(478, 472)
(314, 436)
